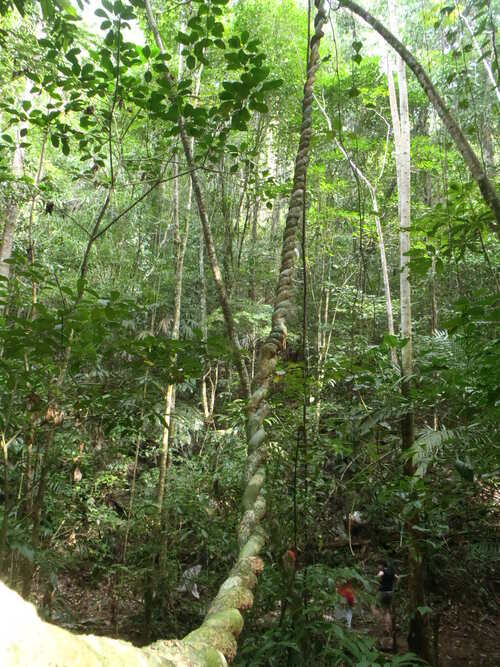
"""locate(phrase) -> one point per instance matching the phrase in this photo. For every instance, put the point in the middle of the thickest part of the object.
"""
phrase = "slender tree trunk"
(418, 639)
(252, 259)
(382, 253)
(228, 249)
(482, 57)
(53, 418)
(29, 566)
(8, 238)
(6, 505)
(12, 208)
(488, 144)
(380, 234)
(203, 323)
(321, 351)
(477, 171)
(31, 220)
(210, 376)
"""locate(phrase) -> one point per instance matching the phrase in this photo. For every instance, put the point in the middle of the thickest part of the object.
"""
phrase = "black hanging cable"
(302, 430)
(295, 476)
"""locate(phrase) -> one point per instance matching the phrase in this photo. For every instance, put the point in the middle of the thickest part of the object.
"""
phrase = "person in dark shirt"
(387, 578)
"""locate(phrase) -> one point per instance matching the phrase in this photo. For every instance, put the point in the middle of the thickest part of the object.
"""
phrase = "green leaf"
(86, 70)
(108, 40)
(240, 119)
(148, 76)
(258, 106)
(272, 84)
(217, 29)
(391, 341)
(199, 52)
(183, 38)
(172, 113)
(259, 74)
(146, 51)
(46, 6)
(253, 44)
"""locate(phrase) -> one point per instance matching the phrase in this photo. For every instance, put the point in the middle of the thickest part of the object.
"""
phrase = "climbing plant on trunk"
(215, 640)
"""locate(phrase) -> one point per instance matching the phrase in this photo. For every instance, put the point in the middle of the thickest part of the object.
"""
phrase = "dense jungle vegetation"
(249, 345)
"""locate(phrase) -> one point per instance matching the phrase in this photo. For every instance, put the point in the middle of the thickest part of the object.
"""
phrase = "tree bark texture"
(477, 171)
(12, 210)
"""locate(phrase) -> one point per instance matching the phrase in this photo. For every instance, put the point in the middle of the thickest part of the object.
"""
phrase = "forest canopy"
(249, 344)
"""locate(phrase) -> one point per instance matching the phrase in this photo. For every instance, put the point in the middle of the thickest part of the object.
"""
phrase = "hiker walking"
(387, 578)
(346, 592)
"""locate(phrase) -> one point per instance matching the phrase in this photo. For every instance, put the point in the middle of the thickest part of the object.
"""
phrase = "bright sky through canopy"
(93, 22)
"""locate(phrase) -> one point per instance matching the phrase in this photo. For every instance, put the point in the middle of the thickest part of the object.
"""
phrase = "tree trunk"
(486, 187)
(482, 57)
(380, 234)
(12, 208)
(252, 258)
(418, 639)
(29, 566)
(381, 247)
(6, 506)
(31, 242)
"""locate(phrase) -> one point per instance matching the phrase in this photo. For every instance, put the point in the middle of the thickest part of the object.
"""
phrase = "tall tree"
(418, 639)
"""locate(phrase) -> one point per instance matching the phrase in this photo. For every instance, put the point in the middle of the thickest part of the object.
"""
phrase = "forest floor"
(468, 636)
